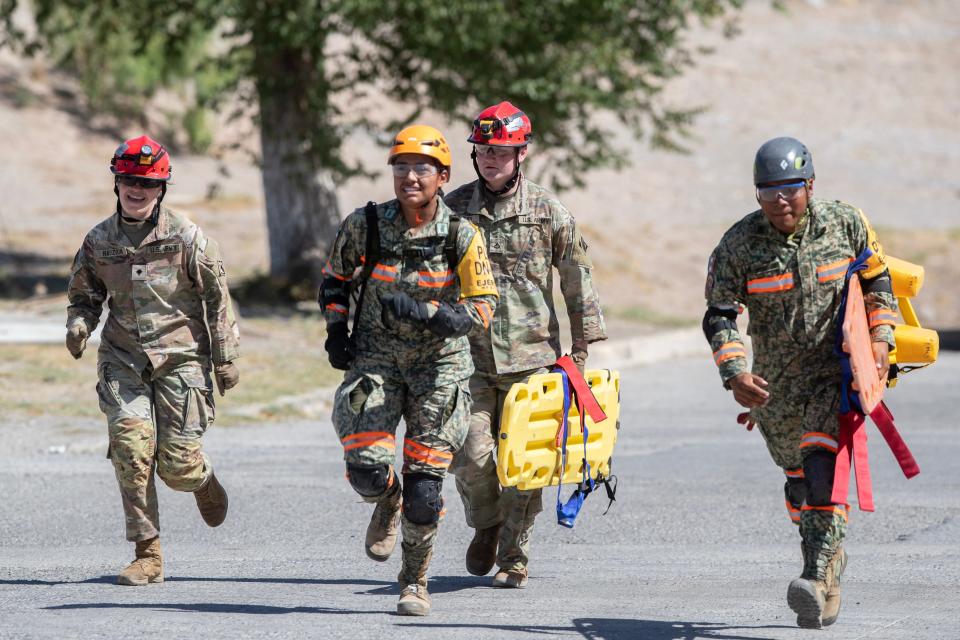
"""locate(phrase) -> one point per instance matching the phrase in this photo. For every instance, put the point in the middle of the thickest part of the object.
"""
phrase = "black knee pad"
(369, 482)
(795, 491)
(422, 502)
(818, 475)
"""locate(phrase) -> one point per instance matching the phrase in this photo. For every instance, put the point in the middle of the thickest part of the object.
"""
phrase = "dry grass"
(281, 357)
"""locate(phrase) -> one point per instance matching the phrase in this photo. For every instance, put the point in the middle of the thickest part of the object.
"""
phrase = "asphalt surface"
(697, 545)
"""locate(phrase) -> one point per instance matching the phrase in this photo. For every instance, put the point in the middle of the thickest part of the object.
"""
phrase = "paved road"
(697, 545)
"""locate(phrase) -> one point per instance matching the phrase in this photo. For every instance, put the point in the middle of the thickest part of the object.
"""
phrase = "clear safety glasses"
(786, 191)
(498, 152)
(420, 169)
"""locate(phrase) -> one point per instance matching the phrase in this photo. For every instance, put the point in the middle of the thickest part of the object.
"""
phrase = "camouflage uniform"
(792, 286)
(529, 233)
(406, 370)
(155, 351)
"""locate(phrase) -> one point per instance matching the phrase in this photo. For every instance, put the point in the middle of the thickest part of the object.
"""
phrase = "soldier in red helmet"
(530, 235)
(170, 321)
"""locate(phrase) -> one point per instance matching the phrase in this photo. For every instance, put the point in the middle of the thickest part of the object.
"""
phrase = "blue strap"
(849, 399)
(567, 513)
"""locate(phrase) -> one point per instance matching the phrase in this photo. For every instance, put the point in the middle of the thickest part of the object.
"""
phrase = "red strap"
(852, 447)
(852, 443)
(882, 417)
(584, 395)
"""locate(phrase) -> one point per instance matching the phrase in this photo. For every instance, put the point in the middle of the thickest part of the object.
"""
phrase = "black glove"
(450, 321)
(339, 346)
(401, 306)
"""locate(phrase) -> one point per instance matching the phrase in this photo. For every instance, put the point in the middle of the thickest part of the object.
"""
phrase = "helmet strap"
(510, 184)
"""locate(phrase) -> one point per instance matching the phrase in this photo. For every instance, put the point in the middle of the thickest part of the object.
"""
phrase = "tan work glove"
(77, 336)
(227, 376)
(580, 359)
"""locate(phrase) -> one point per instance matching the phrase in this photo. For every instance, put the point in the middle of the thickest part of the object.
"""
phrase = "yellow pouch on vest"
(527, 453)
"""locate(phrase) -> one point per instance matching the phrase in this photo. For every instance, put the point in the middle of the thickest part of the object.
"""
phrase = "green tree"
(306, 65)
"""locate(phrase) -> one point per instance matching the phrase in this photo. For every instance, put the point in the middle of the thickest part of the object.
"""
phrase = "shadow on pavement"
(208, 607)
(438, 584)
(50, 583)
(623, 629)
(112, 579)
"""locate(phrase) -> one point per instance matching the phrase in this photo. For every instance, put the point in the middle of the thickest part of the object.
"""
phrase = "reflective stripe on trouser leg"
(183, 405)
(521, 508)
(366, 410)
(475, 464)
(125, 399)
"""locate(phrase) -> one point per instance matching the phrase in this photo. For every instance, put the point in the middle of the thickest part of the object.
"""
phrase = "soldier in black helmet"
(787, 263)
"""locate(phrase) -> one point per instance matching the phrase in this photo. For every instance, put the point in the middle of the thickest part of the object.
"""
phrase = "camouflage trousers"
(801, 420)
(366, 412)
(155, 421)
(485, 503)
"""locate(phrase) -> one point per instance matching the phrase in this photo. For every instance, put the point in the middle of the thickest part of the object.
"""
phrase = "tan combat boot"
(511, 579)
(212, 501)
(831, 608)
(148, 566)
(482, 552)
(384, 525)
(414, 599)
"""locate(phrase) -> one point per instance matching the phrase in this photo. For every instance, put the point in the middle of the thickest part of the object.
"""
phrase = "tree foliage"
(317, 70)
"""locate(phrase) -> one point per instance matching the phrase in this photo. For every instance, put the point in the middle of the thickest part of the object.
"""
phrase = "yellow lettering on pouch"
(877, 262)
(474, 271)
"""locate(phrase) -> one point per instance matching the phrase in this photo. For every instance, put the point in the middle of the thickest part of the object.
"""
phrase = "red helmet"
(502, 125)
(143, 157)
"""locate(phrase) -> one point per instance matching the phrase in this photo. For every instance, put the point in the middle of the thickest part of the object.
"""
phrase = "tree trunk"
(302, 208)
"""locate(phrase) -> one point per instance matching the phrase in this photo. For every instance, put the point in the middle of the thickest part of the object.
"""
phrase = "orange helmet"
(502, 125)
(142, 156)
(424, 140)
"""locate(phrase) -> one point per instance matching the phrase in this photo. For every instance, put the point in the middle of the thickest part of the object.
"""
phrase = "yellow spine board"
(527, 453)
(915, 345)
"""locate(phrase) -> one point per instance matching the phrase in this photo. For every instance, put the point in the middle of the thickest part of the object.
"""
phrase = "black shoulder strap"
(450, 245)
(370, 257)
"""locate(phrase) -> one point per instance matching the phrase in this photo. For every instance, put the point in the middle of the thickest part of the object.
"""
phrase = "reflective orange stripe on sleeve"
(833, 271)
(336, 308)
(770, 284)
(486, 314)
(880, 317)
(369, 439)
(328, 271)
(818, 439)
(729, 351)
(433, 457)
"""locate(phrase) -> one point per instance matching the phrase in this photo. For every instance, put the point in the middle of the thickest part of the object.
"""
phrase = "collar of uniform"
(505, 207)
(816, 222)
(436, 227)
(160, 231)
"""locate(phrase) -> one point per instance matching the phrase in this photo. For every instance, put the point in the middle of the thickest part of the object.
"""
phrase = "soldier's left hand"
(227, 376)
(77, 336)
(881, 355)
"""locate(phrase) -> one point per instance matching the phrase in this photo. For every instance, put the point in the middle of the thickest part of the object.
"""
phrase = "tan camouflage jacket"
(529, 234)
(415, 263)
(792, 287)
(162, 296)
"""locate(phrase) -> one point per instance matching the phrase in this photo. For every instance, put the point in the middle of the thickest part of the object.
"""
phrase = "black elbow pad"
(878, 284)
(717, 319)
(334, 291)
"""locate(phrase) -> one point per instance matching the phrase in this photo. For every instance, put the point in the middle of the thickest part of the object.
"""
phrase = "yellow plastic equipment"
(915, 345)
(527, 454)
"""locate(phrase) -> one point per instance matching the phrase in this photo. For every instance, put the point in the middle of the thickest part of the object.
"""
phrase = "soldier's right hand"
(77, 336)
(748, 390)
(338, 345)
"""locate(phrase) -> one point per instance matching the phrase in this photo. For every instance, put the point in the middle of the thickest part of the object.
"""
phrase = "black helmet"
(782, 159)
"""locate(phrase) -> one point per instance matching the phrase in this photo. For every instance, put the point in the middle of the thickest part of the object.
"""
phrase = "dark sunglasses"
(135, 181)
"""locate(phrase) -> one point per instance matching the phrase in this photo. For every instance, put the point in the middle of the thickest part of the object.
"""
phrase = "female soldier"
(170, 315)
(424, 282)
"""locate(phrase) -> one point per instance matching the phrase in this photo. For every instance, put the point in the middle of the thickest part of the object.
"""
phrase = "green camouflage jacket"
(162, 296)
(792, 287)
(529, 234)
(413, 262)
